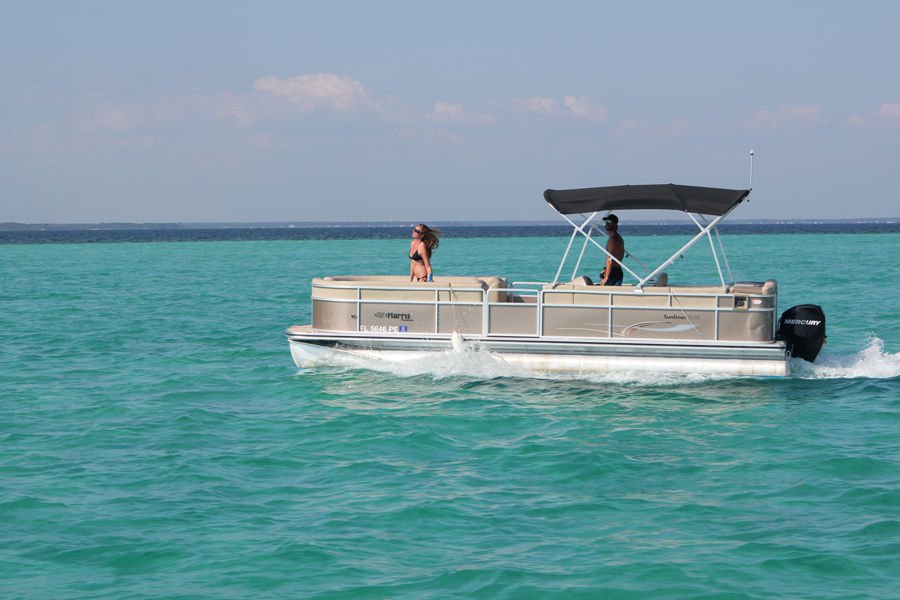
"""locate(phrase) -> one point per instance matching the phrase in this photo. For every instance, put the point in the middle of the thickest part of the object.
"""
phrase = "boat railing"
(520, 308)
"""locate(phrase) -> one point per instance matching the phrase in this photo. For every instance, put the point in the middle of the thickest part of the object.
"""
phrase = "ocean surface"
(156, 441)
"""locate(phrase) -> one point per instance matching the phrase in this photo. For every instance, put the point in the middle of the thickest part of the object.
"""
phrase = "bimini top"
(663, 196)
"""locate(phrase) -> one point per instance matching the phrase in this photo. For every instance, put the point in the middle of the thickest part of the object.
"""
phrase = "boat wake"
(465, 359)
(869, 363)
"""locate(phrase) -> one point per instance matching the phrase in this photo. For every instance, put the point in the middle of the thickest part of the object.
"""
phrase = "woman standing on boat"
(424, 240)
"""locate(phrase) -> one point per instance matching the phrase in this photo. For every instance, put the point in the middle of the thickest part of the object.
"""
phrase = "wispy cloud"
(267, 102)
(321, 90)
(104, 114)
(447, 110)
(890, 112)
(108, 117)
(433, 136)
(576, 107)
(581, 108)
(787, 114)
(536, 104)
(238, 108)
(454, 112)
(887, 114)
(272, 98)
(674, 127)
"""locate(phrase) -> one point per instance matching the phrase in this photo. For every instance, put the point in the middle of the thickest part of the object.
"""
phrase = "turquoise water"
(157, 442)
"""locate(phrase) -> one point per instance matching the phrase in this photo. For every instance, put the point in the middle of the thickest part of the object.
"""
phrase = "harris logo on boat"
(393, 315)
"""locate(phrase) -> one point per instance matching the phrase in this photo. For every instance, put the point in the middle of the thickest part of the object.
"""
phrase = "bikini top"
(415, 256)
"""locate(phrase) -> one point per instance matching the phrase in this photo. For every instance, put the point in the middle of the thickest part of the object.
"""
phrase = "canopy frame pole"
(576, 229)
(712, 246)
(583, 246)
(724, 256)
(636, 259)
(565, 254)
(750, 185)
(686, 247)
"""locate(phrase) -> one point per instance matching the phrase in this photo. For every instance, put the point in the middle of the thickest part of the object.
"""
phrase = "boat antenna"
(751, 169)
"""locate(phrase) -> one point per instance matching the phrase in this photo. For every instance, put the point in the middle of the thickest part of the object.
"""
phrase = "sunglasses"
(419, 231)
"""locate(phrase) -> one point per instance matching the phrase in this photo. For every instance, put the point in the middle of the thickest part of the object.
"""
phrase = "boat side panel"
(392, 317)
(647, 323)
(513, 319)
(334, 316)
(745, 325)
(665, 324)
(576, 321)
(460, 319)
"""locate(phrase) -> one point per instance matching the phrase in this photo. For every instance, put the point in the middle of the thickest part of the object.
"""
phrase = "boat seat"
(662, 280)
(564, 293)
(400, 288)
(755, 287)
(490, 283)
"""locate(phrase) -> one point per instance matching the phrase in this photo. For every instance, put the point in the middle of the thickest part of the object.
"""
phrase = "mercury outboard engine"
(802, 328)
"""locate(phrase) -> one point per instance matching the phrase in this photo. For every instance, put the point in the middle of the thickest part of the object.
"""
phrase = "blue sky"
(435, 111)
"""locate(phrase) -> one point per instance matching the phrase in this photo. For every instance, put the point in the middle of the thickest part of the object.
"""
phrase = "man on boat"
(615, 246)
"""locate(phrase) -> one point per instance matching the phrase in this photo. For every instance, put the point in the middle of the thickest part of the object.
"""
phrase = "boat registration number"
(385, 328)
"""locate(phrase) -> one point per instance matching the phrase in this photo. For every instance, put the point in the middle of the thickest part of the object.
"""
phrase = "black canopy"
(664, 196)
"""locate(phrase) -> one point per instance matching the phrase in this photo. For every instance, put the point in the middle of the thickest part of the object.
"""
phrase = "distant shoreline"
(12, 226)
(373, 231)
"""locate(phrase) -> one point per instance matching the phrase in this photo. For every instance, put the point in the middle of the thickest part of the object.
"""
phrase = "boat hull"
(311, 347)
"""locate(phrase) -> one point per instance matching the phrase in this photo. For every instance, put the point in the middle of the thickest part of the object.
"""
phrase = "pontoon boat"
(650, 323)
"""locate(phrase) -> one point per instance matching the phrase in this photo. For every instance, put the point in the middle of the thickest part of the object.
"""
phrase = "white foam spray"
(466, 359)
(871, 363)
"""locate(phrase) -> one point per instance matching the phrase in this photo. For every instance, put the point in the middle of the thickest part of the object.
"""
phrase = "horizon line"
(15, 226)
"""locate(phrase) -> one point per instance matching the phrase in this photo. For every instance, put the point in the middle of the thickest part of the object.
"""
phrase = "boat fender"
(802, 328)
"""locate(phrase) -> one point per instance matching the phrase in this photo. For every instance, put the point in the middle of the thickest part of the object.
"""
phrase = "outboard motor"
(802, 328)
